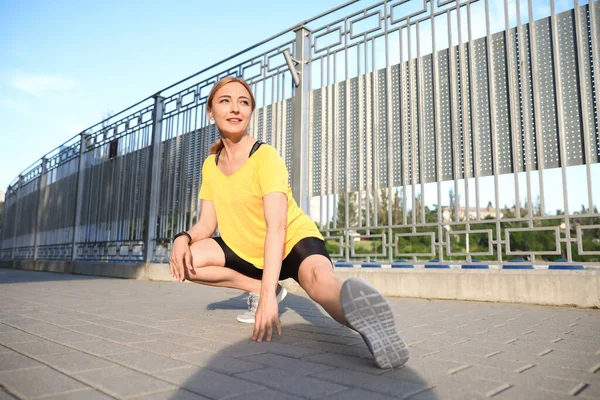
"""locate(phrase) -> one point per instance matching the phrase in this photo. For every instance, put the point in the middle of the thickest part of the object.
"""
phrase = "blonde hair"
(218, 145)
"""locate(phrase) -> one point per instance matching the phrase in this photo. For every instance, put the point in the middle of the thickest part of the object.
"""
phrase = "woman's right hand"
(181, 258)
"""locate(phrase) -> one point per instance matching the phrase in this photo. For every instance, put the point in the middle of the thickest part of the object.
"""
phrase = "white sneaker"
(248, 316)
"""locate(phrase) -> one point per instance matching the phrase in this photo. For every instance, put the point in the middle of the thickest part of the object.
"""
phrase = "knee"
(315, 278)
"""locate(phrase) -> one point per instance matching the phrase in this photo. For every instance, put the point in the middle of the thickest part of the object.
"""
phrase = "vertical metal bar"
(412, 125)
(347, 141)
(79, 189)
(330, 146)
(374, 162)
(420, 131)
(403, 123)
(454, 112)
(39, 211)
(151, 212)
(584, 103)
(368, 130)
(466, 152)
(17, 214)
(537, 108)
(592, 6)
(436, 127)
(390, 153)
(524, 74)
(300, 121)
(561, 122)
(493, 122)
(474, 116)
(512, 108)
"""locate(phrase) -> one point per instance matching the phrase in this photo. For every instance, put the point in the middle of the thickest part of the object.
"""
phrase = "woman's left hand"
(267, 314)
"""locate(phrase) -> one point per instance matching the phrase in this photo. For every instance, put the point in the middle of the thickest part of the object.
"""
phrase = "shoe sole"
(244, 320)
(368, 312)
(280, 298)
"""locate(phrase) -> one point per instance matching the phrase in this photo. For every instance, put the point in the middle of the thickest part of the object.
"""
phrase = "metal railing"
(381, 113)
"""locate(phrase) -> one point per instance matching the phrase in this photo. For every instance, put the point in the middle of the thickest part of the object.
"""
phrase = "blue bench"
(343, 264)
(566, 266)
(517, 266)
(401, 264)
(439, 266)
(475, 266)
(371, 264)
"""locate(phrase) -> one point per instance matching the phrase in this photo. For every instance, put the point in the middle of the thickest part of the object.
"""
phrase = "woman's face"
(231, 109)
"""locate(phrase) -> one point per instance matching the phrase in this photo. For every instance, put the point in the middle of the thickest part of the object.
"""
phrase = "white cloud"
(38, 84)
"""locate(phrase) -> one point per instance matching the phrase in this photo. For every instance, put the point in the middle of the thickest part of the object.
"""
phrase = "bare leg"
(317, 279)
(208, 261)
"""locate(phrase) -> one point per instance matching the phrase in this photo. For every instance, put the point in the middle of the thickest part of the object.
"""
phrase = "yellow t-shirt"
(238, 201)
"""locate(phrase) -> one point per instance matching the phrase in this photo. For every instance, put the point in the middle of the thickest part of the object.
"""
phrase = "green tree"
(341, 211)
(397, 209)
(382, 209)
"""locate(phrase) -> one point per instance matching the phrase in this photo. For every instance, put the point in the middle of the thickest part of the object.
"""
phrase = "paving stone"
(527, 393)
(358, 394)
(296, 366)
(173, 395)
(123, 382)
(75, 362)
(291, 383)
(447, 394)
(41, 328)
(209, 383)
(6, 328)
(295, 351)
(108, 333)
(164, 348)
(85, 394)
(69, 337)
(146, 362)
(40, 347)
(378, 384)
(10, 361)
(102, 347)
(591, 391)
(4, 395)
(16, 336)
(217, 362)
(37, 382)
(342, 361)
(266, 395)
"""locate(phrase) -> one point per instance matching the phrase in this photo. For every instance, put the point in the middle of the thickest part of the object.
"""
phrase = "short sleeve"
(272, 173)
(206, 192)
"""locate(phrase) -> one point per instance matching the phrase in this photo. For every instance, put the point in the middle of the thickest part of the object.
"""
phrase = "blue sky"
(65, 64)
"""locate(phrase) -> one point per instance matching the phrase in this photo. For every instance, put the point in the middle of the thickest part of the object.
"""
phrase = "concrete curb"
(547, 287)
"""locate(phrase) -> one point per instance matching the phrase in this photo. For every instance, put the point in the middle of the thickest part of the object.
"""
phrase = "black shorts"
(289, 266)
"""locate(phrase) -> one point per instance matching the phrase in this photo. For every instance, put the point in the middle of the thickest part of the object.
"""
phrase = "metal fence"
(414, 131)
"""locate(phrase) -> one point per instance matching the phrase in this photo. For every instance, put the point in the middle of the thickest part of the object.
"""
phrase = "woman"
(265, 236)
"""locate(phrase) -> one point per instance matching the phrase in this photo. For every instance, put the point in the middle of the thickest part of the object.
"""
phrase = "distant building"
(484, 212)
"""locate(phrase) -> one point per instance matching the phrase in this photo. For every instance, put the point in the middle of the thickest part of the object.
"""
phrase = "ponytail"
(217, 146)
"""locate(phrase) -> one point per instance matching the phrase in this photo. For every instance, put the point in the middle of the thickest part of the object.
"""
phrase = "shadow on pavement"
(314, 358)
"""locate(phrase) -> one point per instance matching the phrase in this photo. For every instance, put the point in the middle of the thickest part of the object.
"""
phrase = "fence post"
(36, 230)
(17, 216)
(153, 179)
(79, 193)
(300, 111)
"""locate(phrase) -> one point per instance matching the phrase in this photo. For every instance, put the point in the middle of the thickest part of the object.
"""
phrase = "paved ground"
(74, 337)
